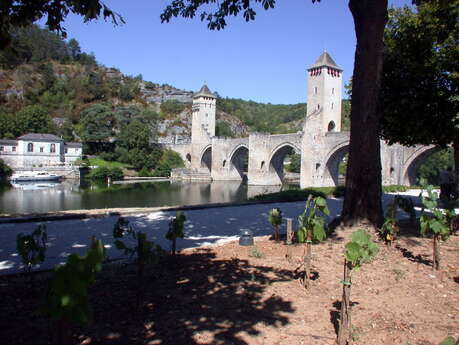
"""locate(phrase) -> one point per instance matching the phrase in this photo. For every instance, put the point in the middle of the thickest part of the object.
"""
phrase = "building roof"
(8, 142)
(74, 144)
(39, 137)
(325, 60)
(204, 92)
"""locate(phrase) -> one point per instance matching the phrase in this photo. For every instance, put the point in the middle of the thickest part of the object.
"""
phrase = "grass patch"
(325, 192)
(107, 164)
(300, 194)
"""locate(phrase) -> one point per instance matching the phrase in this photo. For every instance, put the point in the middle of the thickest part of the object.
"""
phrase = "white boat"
(34, 176)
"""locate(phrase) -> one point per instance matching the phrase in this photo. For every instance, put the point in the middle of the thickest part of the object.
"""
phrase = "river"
(75, 195)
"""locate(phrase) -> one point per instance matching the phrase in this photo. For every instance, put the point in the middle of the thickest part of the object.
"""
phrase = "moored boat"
(34, 176)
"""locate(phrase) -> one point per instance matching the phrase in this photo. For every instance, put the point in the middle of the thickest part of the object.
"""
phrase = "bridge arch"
(332, 161)
(238, 159)
(206, 158)
(277, 157)
(412, 163)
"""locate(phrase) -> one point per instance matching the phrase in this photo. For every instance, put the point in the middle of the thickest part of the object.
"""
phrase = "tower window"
(318, 106)
(315, 90)
(331, 126)
(332, 106)
(262, 165)
(333, 90)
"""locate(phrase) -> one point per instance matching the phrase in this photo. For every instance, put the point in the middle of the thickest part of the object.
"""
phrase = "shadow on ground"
(187, 300)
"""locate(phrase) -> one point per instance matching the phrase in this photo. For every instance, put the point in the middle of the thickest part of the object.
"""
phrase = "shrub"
(144, 172)
(359, 250)
(102, 173)
(275, 218)
(5, 171)
(176, 230)
(312, 227)
(435, 223)
(32, 248)
(67, 300)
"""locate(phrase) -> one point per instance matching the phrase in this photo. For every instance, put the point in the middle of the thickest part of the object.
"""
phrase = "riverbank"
(205, 225)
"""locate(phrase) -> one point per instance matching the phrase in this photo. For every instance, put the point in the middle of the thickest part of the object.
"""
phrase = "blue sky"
(264, 60)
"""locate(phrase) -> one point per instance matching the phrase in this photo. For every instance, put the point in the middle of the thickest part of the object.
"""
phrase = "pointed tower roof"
(204, 92)
(325, 60)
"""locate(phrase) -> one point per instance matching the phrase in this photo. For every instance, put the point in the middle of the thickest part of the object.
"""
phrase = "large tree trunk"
(362, 199)
(456, 156)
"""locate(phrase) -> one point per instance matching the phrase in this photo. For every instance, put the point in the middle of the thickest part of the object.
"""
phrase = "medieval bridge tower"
(321, 142)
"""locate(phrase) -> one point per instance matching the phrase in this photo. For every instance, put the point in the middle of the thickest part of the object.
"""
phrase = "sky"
(264, 60)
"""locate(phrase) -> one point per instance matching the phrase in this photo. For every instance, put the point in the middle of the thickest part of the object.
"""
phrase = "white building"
(36, 150)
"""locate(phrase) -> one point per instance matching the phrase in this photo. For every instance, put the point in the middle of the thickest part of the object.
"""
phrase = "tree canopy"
(420, 81)
(21, 13)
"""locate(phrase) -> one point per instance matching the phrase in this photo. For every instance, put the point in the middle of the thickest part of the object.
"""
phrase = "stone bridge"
(321, 143)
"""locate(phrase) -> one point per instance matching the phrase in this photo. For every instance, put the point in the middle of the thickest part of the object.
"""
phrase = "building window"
(29, 147)
(318, 106)
(315, 90)
(41, 149)
(14, 148)
(53, 148)
(332, 106)
(1, 148)
(224, 162)
(331, 126)
(333, 90)
(66, 150)
(262, 165)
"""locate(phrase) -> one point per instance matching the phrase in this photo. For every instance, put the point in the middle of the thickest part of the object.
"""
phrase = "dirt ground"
(252, 295)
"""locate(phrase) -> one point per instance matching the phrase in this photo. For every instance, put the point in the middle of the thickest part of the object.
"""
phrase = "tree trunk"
(456, 164)
(344, 332)
(436, 252)
(174, 246)
(362, 199)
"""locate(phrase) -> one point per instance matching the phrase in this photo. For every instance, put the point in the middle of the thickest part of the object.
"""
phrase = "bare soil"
(252, 295)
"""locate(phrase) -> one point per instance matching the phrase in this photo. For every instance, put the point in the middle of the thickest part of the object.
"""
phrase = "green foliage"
(102, 173)
(32, 248)
(394, 188)
(295, 163)
(5, 171)
(360, 249)
(99, 162)
(34, 119)
(144, 172)
(389, 229)
(169, 160)
(311, 223)
(275, 217)
(135, 136)
(222, 129)
(255, 253)
(22, 13)
(97, 123)
(430, 169)
(420, 82)
(176, 226)
(68, 293)
(434, 221)
(172, 107)
(270, 118)
(147, 252)
(298, 194)
(448, 341)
